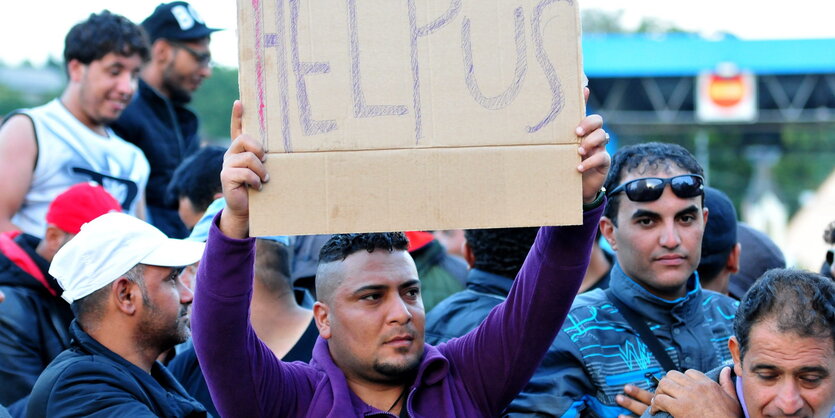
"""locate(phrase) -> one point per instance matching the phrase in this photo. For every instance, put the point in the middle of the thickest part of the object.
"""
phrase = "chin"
(398, 369)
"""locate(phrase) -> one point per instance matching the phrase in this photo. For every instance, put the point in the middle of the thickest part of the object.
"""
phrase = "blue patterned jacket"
(596, 353)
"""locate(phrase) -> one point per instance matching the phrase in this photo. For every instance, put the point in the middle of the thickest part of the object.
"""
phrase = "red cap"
(418, 239)
(78, 205)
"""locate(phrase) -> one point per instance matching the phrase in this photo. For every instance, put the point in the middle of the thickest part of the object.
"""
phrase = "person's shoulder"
(591, 311)
(74, 365)
(592, 298)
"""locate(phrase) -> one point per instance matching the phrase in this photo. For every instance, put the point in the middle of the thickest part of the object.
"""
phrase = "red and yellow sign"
(726, 98)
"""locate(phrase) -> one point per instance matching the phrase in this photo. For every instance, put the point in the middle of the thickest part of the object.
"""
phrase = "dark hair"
(340, 246)
(797, 301)
(102, 34)
(709, 271)
(500, 251)
(650, 156)
(197, 178)
(272, 265)
(90, 309)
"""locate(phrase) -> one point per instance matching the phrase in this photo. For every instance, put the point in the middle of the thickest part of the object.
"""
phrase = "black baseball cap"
(177, 21)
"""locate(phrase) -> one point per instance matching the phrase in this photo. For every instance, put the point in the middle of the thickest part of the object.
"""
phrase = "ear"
(127, 295)
(607, 229)
(76, 70)
(162, 51)
(54, 238)
(733, 347)
(469, 257)
(733, 259)
(705, 212)
(321, 314)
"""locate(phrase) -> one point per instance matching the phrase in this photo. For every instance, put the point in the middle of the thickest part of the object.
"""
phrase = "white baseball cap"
(110, 245)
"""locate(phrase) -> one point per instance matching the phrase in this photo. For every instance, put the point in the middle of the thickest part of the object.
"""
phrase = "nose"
(788, 399)
(126, 84)
(669, 236)
(398, 311)
(186, 295)
(206, 70)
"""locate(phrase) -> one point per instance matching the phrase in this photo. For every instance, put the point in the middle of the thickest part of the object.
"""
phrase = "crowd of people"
(130, 285)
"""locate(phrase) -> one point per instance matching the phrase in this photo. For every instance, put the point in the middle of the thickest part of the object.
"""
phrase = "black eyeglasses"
(648, 189)
(830, 255)
(204, 58)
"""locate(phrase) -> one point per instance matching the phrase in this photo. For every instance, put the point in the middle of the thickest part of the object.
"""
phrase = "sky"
(34, 29)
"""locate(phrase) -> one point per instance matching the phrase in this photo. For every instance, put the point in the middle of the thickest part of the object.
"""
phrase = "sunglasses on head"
(648, 189)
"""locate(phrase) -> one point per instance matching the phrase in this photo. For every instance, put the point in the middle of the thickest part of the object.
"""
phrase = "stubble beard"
(170, 81)
(395, 373)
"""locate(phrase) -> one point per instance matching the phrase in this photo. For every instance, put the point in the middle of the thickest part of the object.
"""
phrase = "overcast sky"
(34, 29)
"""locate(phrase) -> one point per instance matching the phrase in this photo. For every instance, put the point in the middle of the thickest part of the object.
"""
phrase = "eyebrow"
(378, 287)
(410, 283)
(814, 369)
(687, 211)
(643, 213)
(369, 287)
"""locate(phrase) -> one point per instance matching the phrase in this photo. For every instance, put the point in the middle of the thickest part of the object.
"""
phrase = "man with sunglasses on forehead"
(616, 344)
(157, 120)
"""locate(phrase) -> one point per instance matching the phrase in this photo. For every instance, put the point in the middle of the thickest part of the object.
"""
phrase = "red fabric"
(418, 239)
(18, 255)
(78, 205)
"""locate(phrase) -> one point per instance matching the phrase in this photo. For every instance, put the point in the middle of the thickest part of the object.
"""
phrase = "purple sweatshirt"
(475, 375)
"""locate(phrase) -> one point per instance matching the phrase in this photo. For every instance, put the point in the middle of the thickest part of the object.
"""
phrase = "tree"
(213, 104)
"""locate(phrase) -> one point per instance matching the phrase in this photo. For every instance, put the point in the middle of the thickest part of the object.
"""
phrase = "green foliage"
(213, 104)
(609, 22)
(11, 100)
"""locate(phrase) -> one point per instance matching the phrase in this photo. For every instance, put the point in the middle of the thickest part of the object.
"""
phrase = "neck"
(114, 335)
(152, 75)
(277, 319)
(598, 266)
(70, 99)
(719, 283)
(390, 398)
(44, 251)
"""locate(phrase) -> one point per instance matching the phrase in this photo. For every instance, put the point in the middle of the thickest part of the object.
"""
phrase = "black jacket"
(167, 133)
(89, 380)
(33, 323)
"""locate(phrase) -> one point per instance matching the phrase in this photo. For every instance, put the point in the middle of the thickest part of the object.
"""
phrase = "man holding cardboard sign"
(371, 357)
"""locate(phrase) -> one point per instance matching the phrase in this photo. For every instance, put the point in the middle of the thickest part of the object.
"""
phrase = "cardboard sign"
(383, 115)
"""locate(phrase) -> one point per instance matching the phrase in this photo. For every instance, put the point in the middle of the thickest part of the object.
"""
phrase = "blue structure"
(673, 55)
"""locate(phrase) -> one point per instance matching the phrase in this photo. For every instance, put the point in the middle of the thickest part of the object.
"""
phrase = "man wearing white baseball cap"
(121, 276)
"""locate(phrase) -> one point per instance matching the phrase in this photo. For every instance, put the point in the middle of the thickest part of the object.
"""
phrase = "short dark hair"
(500, 251)
(272, 265)
(647, 156)
(340, 246)
(197, 178)
(90, 308)
(102, 34)
(798, 301)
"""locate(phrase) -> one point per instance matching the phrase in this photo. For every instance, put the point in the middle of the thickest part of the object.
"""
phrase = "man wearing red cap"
(34, 319)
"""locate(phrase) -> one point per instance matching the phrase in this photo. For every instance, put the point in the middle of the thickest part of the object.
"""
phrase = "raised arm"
(500, 356)
(244, 376)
